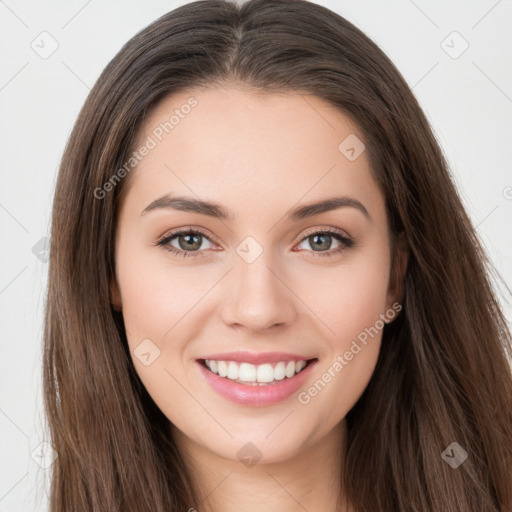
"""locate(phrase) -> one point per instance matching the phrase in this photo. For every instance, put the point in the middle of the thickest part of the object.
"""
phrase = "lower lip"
(254, 396)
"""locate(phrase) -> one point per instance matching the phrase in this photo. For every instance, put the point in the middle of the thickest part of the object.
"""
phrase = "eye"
(189, 242)
(321, 240)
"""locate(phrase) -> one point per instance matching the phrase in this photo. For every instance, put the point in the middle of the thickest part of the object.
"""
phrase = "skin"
(258, 155)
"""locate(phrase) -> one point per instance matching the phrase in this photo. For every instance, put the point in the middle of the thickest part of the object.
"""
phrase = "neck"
(310, 480)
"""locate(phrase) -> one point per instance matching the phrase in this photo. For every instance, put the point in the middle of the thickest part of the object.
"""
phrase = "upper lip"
(256, 358)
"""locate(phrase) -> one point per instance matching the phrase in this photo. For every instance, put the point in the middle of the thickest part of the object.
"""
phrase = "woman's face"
(260, 288)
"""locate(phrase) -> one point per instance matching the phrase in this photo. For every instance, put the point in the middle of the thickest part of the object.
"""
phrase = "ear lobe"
(115, 295)
(399, 268)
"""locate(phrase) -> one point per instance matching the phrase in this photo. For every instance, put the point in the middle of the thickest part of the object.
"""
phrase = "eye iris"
(314, 239)
(193, 241)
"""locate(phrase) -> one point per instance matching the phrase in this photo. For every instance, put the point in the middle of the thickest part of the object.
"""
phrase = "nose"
(258, 297)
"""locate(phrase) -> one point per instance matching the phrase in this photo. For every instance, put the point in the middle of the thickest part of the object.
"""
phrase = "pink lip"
(254, 396)
(260, 358)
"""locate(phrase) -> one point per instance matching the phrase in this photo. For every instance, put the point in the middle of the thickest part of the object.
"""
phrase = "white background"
(468, 100)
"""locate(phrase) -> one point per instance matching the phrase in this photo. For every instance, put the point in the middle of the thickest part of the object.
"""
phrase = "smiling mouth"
(266, 374)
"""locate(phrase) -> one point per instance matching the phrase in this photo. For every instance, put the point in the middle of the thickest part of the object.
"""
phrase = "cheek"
(158, 310)
(346, 298)
(348, 301)
(155, 295)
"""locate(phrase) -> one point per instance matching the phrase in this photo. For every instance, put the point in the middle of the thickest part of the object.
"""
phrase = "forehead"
(227, 143)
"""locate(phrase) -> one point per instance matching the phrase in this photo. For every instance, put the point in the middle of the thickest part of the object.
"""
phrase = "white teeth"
(290, 369)
(299, 365)
(223, 368)
(265, 373)
(232, 371)
(280, 371)
(247, 373)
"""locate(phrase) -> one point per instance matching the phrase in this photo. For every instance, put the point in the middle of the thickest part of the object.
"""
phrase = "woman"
(257, 373)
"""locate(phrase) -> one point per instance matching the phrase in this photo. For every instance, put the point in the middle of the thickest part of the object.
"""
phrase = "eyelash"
(346, 242)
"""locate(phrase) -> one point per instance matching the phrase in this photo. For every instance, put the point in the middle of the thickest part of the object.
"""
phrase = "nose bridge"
(259, 298)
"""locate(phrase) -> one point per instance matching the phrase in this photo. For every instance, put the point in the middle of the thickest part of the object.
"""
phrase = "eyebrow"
(193, 205)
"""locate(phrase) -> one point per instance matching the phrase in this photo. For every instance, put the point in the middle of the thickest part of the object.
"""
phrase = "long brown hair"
(443, 373)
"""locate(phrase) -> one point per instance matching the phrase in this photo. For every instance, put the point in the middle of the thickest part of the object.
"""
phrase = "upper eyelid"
(325, 229)
(181, 231)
